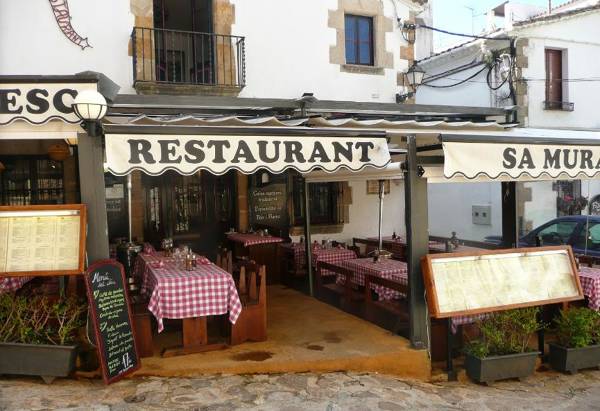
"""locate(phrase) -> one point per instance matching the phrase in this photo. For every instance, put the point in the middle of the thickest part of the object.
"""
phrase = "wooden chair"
(356, 250)
(252, 289)
(142, 324)
(392, 315)
(346, 295)
(587, 260)
(225, 260)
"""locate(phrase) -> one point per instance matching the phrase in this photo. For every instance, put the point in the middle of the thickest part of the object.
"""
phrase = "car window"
(557, 233)
(592, 240)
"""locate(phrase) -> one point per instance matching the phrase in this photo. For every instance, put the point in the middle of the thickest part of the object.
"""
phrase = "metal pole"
(381, 195)
(129, 205)
(307, 241)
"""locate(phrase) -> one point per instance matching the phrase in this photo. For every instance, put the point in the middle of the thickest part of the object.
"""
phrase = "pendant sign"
(60, 9)
(155, 153)
(111, 315)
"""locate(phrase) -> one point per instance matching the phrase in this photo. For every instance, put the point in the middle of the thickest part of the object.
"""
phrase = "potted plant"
(37, 335)
(577, 340)
(502, 351)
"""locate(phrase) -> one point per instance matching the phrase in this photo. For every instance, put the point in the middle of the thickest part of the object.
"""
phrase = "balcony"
(186, 62)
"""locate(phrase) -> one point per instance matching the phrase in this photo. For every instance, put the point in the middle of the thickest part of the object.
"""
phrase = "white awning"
(51, 130)
(518, 161)
(187, 154)
(393, 171)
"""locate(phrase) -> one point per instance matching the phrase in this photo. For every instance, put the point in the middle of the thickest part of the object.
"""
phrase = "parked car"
(579, 231)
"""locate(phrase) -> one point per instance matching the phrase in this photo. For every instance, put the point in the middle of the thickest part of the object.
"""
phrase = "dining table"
(385, 268)
(397, 245)
(191, 295)
(262, 248)
(11, 284)
(331, 255)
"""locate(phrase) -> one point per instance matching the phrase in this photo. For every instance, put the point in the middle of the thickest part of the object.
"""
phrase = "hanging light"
(413, 78)
(409, 31)
(2, 167)
(59, 151)
(265, 178)
(90, 106)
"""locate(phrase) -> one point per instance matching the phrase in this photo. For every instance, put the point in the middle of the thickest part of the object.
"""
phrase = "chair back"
(225, 260)
(252, 285)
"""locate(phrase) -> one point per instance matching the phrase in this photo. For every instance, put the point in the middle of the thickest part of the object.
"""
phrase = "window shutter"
(554, 76)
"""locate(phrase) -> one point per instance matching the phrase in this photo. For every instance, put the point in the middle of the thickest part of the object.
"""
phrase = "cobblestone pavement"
(327, 392)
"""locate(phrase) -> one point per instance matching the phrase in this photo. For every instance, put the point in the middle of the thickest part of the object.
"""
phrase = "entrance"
(194, 210)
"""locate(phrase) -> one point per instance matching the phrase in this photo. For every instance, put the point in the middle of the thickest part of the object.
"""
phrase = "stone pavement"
(327, 392)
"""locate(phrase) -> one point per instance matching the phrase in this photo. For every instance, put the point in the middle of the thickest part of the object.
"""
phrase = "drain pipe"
(381, 195)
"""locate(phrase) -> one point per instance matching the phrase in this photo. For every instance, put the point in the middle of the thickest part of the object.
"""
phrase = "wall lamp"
(90, 106)
(414, 78)
(409, 31)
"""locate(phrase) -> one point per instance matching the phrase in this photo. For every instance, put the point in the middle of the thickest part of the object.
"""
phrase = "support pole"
(381, 195)
(307, 240)
(418, 245)
(509, 214)
(129, 207)
(93, 195)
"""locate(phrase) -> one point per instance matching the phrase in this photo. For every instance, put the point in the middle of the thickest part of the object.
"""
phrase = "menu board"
(268, 205)
(42, 240)
(111, 315)
(463, 283)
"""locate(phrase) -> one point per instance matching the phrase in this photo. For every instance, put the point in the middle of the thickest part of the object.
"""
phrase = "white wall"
(287, 52)
(364, 214)
(580, 37)
(32, 43)
(450, 207)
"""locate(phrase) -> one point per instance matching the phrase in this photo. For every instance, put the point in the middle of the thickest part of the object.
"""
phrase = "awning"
(156, 153)
(520, 155)
(393, 171)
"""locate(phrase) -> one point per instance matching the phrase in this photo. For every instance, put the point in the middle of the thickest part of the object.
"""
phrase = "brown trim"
(82, 239)
(432, 294)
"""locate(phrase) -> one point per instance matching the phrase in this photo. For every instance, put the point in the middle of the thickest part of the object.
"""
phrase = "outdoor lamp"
(409, 31)
(90, 106)
(414, 78)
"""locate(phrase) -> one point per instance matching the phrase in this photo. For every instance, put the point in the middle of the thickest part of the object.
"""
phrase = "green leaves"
(578, 327)
(39, 320)
(505, 332)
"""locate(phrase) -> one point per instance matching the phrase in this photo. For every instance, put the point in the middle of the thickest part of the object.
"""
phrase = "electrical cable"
(458, 83)
(425, 26)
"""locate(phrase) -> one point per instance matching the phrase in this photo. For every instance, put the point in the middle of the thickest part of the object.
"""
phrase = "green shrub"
(577, 327)
(505, 332)
(39, 320)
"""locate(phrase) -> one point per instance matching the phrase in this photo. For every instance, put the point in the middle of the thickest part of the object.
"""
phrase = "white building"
(555, 84)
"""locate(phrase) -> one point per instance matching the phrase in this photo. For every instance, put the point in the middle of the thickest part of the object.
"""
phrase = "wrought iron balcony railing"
(186, 57)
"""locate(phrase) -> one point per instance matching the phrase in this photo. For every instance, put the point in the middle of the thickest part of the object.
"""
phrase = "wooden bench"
(225, 260)
(392, 315)
(347, 296)
(252, 289)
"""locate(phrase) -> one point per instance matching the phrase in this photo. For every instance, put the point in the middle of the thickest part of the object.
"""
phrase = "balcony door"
(184, 42)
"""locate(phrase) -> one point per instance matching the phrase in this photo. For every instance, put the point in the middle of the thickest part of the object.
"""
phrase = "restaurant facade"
(224, 173)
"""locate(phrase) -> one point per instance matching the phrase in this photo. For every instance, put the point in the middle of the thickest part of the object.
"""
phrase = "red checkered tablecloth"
(177, 293)
(248, 240)
(590, 282)
(10, 284)
(391, 269)
(299, 251)
(332, 256)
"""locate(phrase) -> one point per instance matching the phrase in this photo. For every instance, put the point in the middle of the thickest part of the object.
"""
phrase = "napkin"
(203, 261)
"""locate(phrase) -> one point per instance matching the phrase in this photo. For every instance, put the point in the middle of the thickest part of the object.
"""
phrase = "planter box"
(490, 369)
(47, 361)
(572, 360)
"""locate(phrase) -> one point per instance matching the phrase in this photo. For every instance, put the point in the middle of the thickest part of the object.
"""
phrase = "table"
(250, 239)
(10, 284)
(189, 295)
(590, 282)
(262, 249)
(333, 255)
(390, 269)
(397, 246)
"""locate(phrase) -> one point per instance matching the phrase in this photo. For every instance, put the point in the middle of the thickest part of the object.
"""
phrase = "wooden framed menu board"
(42, 240)
(477, 282)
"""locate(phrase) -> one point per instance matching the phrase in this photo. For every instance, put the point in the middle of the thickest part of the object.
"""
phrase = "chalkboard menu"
(268, 205)
(111, 315)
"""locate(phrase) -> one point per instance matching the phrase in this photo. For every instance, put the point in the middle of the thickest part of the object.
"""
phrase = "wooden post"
(307, 240)
(93, 195)
(417, 235)
(242, 201)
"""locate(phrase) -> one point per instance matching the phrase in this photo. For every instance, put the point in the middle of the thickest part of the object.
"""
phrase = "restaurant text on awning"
(187, 154)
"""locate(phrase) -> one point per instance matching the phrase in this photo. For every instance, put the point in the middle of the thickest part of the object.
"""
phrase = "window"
(589, 242)
(557, 233)
(323, 202)
(31, 180)
(359, 40)
(554, 81)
